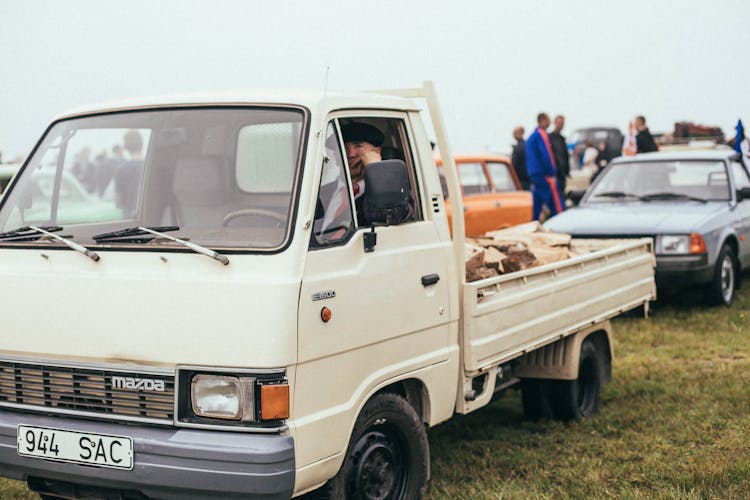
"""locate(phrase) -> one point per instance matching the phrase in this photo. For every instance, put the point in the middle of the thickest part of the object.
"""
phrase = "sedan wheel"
(722, 288)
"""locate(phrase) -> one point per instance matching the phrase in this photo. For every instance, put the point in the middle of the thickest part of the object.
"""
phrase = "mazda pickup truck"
(225, 319)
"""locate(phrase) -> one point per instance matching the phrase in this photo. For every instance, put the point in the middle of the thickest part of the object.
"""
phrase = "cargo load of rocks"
(516, 248)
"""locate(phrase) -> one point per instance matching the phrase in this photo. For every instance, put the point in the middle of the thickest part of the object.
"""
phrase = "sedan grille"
(87, 391)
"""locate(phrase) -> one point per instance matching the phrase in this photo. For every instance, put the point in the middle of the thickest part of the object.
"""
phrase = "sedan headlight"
(675, 244)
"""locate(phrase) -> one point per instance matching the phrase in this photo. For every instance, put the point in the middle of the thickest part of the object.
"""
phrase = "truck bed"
(509, 315)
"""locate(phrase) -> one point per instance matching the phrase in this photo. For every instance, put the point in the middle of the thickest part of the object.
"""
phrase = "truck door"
(365, 317)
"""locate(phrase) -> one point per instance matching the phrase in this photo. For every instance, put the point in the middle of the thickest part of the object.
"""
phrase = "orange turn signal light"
(274, 401)
(697, 245)
(326, 315)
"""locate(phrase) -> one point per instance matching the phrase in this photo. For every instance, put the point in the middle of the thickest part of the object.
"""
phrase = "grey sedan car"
(695, 205)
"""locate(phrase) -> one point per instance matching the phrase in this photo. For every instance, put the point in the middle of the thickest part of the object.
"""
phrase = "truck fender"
(559, 360)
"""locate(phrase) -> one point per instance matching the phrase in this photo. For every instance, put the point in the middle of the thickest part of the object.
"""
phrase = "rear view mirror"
(388, 198)
(743, 194)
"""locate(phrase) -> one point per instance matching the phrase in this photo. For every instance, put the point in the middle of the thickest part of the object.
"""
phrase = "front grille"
(83, 390)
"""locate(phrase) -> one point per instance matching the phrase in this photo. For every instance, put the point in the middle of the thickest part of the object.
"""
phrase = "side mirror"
(743, 194)
(388, 198)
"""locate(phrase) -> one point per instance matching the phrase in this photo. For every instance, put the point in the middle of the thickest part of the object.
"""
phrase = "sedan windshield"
(225, 177)
(662, 180)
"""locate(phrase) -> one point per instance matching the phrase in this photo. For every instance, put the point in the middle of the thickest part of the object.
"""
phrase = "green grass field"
(674, 422)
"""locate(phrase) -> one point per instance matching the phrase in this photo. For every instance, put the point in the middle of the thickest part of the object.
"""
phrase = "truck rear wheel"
(388, 454)
(579, 398)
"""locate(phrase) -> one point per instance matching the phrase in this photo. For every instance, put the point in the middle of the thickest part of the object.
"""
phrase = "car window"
(502, 178)
(333, 213)
(395, 146)
(473, 179)
(741, 178)
(227, 176)
(633, 180)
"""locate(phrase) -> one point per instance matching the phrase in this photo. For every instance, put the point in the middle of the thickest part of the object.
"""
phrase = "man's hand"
(370, 156)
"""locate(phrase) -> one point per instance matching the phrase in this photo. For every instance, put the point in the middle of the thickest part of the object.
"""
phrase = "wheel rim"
(378, 469)
(727, 279)
(587, 383)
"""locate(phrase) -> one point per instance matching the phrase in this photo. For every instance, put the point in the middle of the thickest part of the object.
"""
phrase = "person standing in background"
(540, 164)
(560, 151)
(518, 158)
(644, 139)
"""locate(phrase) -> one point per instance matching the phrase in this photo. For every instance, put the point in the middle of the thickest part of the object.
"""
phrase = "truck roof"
(315, 100)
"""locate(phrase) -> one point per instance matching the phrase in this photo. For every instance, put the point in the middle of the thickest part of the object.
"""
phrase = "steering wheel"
(254, 212)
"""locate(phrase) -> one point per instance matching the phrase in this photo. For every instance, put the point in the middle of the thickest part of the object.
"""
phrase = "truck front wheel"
(579, 398)
(388, 454)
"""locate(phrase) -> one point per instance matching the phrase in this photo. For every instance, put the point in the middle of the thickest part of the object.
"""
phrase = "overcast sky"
(496, 64)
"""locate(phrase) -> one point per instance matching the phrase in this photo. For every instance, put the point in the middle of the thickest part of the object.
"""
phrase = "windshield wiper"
(671, 196)
(127, 235)
(75, 246)
(192, 246)
(616, 194)
(26, 233)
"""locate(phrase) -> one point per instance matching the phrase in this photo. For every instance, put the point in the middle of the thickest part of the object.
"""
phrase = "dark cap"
(362, 132)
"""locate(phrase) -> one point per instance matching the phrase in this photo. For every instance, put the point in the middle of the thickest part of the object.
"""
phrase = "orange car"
(492, 195)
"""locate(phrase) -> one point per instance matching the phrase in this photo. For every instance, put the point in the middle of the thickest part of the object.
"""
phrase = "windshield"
(700, 180)
(225, 176)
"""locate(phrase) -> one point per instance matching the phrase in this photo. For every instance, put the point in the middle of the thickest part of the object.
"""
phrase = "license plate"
(99, 450)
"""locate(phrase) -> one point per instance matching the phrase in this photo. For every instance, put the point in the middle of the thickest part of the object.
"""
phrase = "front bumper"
(168, 463)
(680, 270)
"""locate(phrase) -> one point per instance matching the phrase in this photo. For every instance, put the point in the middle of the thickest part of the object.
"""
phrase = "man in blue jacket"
(540, 164)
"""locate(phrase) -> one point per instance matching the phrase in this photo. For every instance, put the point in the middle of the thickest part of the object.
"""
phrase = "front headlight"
(218, 396)
(673, 244)
(238, 398)
(692, 243)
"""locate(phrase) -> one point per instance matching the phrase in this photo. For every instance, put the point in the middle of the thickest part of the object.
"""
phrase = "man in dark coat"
(644, 140)
(518, 159)
(560, 150)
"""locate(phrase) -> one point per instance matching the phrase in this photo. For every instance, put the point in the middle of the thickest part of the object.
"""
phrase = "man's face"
(559, 123)
(359, 154)
(544, 122)
(639, 124)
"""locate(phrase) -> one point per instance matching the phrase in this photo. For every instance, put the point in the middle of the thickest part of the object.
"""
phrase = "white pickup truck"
(211, 316)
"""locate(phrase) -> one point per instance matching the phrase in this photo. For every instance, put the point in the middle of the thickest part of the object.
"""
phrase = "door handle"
(430, 279)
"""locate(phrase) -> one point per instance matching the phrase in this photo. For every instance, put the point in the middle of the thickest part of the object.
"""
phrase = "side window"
(740, 175)
(333, 212)
(473, 179)
(502, 178)
(389, 140)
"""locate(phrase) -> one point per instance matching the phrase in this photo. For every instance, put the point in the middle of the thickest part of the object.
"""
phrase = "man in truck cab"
(362, 143)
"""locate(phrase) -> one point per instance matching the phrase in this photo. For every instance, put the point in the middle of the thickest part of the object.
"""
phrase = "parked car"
(492, 195)
(693, 204)
(611, 136)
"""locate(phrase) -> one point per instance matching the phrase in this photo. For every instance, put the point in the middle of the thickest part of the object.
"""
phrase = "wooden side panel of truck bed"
(506, 316)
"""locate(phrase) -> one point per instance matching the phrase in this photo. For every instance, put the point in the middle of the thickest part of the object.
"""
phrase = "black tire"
(388, 455)
(536, 396)
(721, 290)
(579, 398)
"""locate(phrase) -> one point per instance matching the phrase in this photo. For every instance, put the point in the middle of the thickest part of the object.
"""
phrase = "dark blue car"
(695, 205)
